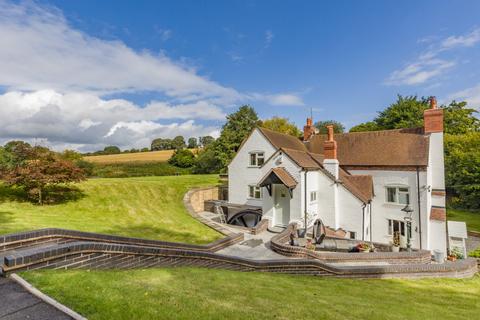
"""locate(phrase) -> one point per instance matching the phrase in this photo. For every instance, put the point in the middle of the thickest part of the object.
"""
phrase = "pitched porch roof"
(278, 175)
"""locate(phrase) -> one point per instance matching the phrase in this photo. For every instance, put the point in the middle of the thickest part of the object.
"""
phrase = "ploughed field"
(193, 293)
(145, 207)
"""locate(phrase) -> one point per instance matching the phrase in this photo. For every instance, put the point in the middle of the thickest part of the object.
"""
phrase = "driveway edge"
(42, 296)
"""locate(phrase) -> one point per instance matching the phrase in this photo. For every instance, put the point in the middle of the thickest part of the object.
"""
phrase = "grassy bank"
(148, 207)
(189, 293)
(472, 218)
(136, 169)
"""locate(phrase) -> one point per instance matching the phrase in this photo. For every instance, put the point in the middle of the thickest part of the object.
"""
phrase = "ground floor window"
(396, 225)
(254, 192)
(353, 235)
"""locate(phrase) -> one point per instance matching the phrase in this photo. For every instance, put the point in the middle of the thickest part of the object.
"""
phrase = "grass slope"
(147, 207)
(472, 218)
(189, 293)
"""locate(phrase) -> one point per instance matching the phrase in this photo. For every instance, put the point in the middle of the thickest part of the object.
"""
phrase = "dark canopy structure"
(278, 175)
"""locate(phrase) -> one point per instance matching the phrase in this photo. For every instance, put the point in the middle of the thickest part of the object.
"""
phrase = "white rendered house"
(357, 183)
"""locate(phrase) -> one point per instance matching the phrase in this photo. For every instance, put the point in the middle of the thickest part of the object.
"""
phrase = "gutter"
(305, 204)
(363, 221)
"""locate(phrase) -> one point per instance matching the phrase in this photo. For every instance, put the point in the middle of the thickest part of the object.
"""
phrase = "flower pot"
(301, 233)
(395, 249)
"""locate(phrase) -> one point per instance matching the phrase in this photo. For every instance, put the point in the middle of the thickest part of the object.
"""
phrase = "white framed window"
(398, 195)
(254, 192)
(313, 196)
(257, 159)
(396, 225)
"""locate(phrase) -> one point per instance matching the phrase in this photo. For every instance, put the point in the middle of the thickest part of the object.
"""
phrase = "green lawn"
(190, 293)
(147, 207)
(472, 218)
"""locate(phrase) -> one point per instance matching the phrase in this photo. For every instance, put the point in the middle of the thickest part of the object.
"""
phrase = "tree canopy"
(35, 168)
(218, 154)
(322, 126)
(282, 125)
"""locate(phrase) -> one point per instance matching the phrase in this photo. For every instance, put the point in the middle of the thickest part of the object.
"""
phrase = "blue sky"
(92, 73)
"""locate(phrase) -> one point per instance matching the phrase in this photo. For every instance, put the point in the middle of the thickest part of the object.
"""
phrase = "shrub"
(182, 158)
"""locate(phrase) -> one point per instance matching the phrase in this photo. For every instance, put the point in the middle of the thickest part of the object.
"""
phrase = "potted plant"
(396, 242)
(309, 245)
(455, 254)
(363, 247)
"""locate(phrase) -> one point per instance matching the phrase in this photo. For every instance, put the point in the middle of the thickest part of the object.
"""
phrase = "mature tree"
(192, 143)
(145, 150)
(207, 162)
(322, 126)
(111, 150)
(282, 125)
(462, 167)
(406, 112)
(459, 119)
(217, 155)
(36, 168)
(71, 155)
(178, 142)
(183, 158)
(161, 144)
(366, 126)
(206, 140)
(239, 124)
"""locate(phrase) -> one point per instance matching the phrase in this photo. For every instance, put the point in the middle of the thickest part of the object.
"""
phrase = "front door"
(281, 204)
(399, 226)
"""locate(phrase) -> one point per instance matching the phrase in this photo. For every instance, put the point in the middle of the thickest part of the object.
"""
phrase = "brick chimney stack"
(330, 162)
(330, 146)
(433, 118)
(308, 130)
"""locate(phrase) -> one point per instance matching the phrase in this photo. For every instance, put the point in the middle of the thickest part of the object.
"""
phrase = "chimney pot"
(308, 129)
(330, 132)
(433, 102)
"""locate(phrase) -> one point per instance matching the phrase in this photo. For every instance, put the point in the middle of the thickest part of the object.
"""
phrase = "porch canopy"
(278, 176)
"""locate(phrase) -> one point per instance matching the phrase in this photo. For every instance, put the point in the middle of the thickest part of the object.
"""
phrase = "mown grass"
(472, 218)
(191, 293)
(147, 207)
(136, 169)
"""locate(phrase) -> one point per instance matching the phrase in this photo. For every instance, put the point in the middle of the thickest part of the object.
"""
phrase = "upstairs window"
(398, 195)
(257, 159)
(313, 196)
(254, 192)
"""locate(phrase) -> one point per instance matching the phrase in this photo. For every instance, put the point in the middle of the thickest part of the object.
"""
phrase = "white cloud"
(268, 38)
(429, 65)
(284, 100)
(87, 121)
(471, 95)
(39, 48)
(467, 40)
(164, 34)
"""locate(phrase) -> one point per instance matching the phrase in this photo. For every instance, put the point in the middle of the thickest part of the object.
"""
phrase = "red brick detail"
(439, 214)
(439, 193)
(330, 146)
(308, 130)
(433, 120)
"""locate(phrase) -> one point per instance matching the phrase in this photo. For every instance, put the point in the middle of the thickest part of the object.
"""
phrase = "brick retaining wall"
(92, 255)
(280, 244)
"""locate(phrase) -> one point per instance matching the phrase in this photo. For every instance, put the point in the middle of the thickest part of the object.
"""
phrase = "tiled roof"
(402, 147)
(360, 185)
(282, 175)
(280, 140)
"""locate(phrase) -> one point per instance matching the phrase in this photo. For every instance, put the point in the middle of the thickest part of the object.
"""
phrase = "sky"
(86, 74)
